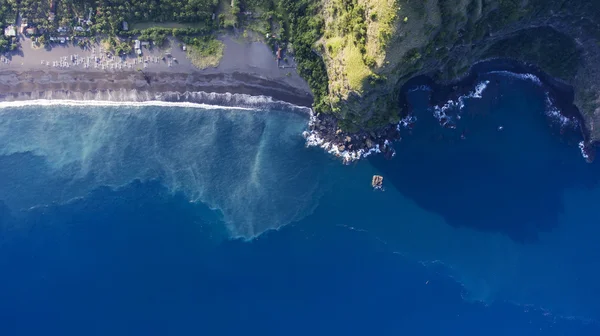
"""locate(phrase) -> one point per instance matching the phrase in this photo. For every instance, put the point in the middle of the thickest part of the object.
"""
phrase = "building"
(57, 39)
(31, 31)
(145, 44)
(125, 26)
(10, 31)
(137, 46)
(24, 24)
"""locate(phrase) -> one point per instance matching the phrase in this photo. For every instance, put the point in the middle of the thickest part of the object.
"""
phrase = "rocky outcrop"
(442, 39)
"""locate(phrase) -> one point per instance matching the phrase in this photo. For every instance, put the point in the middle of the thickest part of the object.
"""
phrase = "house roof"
(10, 31)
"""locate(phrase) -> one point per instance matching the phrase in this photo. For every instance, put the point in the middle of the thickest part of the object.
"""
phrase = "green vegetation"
(535, 45)
(92, 17)
(118, 46)
(7, 16)
(355, 36)
(204, 52)
(353, 53)
(111, 13)
(305, 29)
(356, 69)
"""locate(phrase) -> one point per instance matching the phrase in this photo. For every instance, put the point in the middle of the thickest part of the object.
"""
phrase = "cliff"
(371, 48)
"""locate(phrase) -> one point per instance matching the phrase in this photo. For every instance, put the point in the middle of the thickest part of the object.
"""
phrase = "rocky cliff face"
(372, 47)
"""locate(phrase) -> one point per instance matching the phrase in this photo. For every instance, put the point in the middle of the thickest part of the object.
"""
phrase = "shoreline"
(236, 88)
(324, 132)
(561, 94)
(196, 87)
(247, 68)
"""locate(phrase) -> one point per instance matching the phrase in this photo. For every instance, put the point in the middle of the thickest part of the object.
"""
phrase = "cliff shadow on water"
(561, 94)
(496, 159)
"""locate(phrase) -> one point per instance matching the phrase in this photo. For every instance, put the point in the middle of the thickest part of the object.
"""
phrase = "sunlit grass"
(206, 54)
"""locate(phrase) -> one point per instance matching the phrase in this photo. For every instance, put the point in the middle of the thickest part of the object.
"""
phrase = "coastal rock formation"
(371, 49)
(377, 181)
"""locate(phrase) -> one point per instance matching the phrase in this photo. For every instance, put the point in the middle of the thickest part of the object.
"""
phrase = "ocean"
(184, 220)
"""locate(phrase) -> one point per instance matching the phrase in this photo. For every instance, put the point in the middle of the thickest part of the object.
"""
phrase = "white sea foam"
(406, 122)
(130, 98)
(479, 90)
(420, 88)
(555, 114)
(583, 150)
(441, 113)
(109, 103)
(313, 139)
(522, 76)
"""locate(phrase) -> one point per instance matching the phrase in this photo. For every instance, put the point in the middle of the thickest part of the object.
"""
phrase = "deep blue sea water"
(185, 221)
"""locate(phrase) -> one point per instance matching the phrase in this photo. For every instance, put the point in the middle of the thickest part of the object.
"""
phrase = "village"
(64, 49)
(43, 35)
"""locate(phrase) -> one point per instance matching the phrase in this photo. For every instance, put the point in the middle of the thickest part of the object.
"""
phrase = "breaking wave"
(123, 97)
(522, 76)
(442, 113)
(314, 139)
(556, 116)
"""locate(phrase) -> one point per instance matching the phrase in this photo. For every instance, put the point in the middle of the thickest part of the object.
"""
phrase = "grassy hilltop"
(371, 47)
(356, 54)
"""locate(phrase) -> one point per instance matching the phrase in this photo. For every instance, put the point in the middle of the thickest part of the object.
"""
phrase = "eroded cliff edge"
(371, 48)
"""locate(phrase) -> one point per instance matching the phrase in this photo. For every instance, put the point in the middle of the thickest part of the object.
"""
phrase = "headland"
(350, 60)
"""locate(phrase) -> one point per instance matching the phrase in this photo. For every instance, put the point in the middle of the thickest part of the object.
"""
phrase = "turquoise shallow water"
(122, 220)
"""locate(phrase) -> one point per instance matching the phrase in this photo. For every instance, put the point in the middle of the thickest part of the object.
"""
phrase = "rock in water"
(377, 181)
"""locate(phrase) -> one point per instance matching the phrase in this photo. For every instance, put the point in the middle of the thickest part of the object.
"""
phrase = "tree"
(4, 45)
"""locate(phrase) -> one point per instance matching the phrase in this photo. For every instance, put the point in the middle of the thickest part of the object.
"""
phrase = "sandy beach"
(71, 72)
